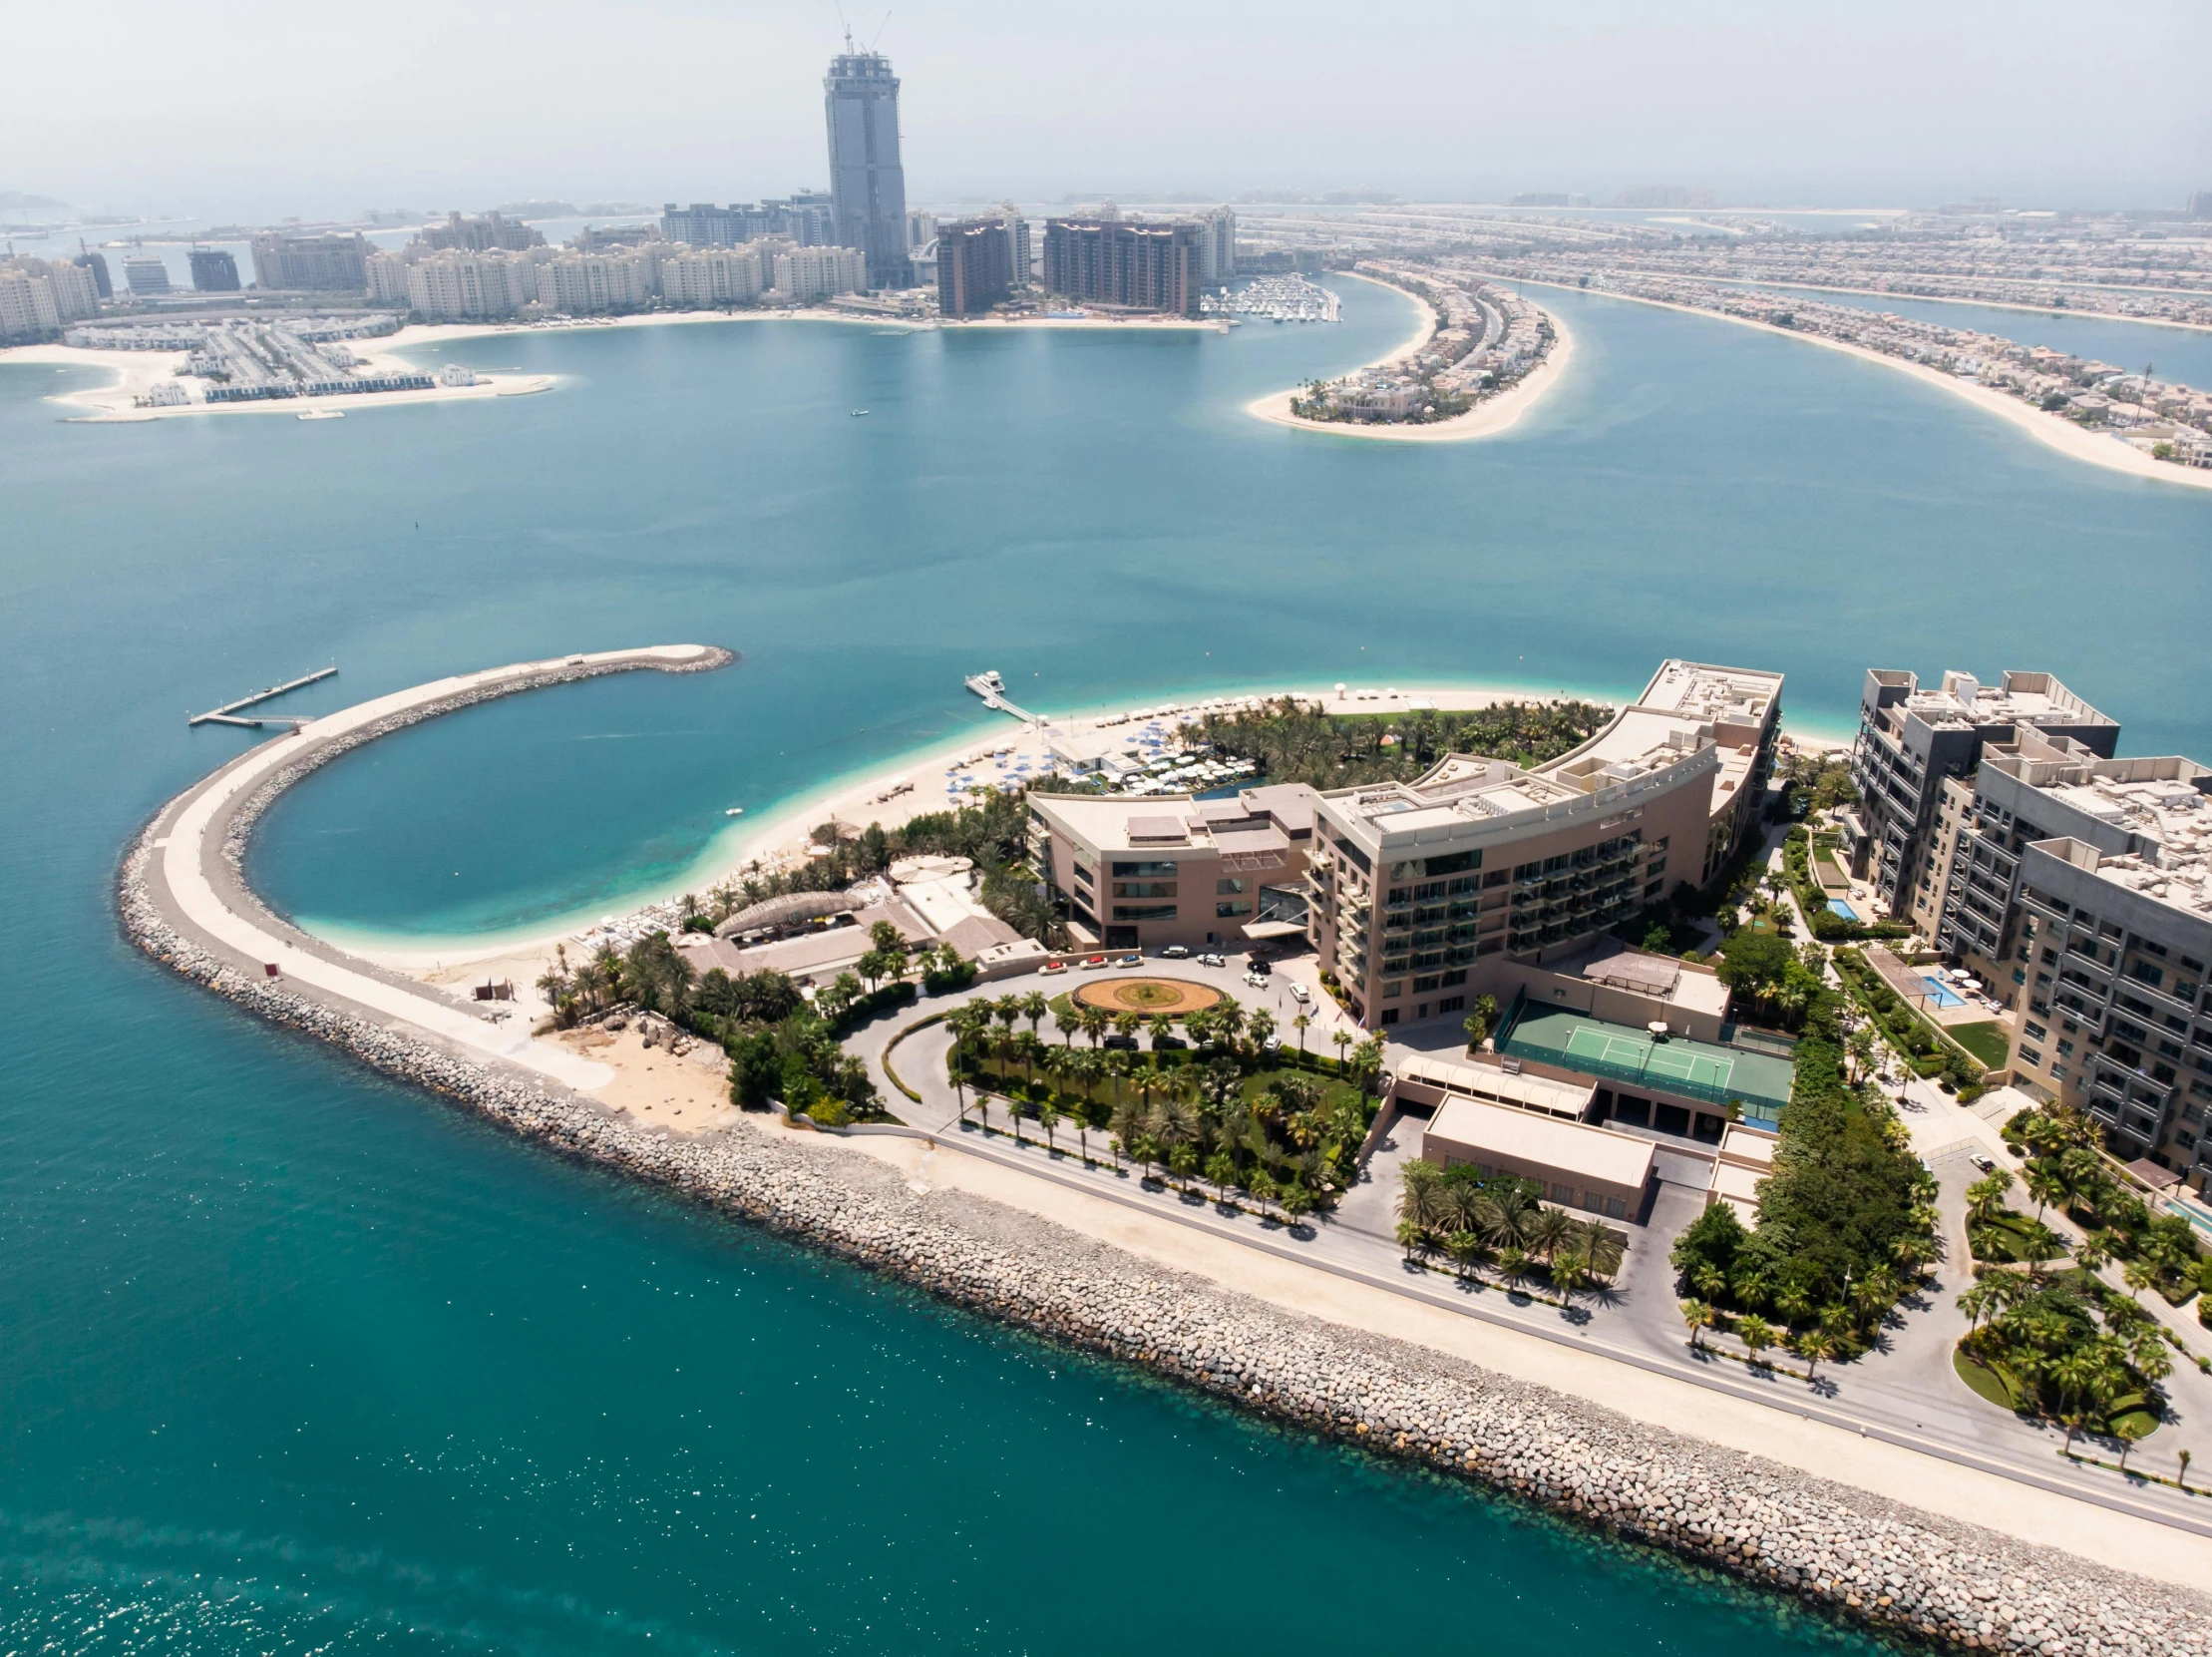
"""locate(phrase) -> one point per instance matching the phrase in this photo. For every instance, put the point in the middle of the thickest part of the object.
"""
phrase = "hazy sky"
(256, 108)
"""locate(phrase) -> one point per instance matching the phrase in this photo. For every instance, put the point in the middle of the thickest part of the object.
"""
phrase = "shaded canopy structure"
(788, 910)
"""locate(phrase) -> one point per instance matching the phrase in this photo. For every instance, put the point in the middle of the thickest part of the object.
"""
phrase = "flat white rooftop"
(1475, 1127)
(1720, 696)
(1494, 1083)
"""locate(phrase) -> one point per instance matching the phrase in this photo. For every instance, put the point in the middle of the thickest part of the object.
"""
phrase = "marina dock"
(992, 689)
(228, 714)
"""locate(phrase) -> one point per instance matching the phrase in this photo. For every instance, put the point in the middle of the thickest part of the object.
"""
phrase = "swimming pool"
(1836, 906)
(1942, 996)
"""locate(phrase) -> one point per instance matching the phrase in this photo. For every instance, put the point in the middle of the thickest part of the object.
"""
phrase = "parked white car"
(1300, 992)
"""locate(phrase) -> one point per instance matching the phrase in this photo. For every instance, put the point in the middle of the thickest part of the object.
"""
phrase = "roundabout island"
(1173, 997)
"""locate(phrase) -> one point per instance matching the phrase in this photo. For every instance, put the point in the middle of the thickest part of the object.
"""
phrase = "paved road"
(1906, 1392)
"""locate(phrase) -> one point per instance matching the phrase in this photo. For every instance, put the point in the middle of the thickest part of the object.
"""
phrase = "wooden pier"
(228, 714)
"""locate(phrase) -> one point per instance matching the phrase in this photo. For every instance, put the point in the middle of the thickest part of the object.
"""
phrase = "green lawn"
(1990, 1041)
(1988, 1384)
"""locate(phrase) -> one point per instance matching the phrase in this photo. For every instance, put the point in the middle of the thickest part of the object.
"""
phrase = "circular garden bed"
(1149, 995)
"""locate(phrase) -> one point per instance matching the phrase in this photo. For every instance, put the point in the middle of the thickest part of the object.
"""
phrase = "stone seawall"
(1867, 1560)
(323, 752)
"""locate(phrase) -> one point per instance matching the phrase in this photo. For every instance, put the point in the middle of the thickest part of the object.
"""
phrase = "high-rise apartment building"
(2088, 881)
(1017, 232)
(582, 284)
(975, 265)
(806, 218)
(145, 276)
(1425, 893)
(37, 297)
(214, 271)
(477, 236)
(866, 182)
(1911, 741)
(1125, 262)
(804, 275)
(464, 286)
(96, 264)
(707, 277)
(333, 263)
(1218, 246)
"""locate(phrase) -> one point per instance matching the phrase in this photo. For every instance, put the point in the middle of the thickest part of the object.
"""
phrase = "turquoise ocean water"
(292, 1360)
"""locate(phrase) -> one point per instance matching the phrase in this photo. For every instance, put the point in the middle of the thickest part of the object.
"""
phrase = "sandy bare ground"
(2097, 447)
(1486, 419)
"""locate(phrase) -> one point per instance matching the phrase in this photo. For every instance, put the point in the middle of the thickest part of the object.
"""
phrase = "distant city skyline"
(1880, 104)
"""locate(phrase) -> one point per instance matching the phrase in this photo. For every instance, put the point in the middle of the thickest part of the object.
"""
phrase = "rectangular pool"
(1836, 906)
(1942, 996)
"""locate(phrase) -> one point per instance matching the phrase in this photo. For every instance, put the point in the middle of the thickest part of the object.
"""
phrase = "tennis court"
(1660, 1061)
(1704, 1070)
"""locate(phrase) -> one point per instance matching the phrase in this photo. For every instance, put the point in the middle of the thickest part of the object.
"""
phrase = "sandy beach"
(1955, 300)
(2097, 447)
(137, 372)
(937, 778)
(1486, 419)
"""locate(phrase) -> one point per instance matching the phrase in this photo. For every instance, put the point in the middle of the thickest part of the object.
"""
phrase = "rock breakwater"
(1872, 1561)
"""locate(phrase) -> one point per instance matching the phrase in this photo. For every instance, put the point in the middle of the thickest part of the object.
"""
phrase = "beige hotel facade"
(1420, 894)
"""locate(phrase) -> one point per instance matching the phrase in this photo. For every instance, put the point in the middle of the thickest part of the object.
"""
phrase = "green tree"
(1698, 1316)
(1482, 1018)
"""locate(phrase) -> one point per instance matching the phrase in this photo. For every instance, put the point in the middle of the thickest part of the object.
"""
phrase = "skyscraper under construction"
(866, 182)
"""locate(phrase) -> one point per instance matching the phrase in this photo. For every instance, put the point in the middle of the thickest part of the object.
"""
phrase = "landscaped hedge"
(1827, 926)
(1924, 1046)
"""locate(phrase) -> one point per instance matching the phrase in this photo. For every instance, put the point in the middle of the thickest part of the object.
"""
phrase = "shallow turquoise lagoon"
(291, 1359)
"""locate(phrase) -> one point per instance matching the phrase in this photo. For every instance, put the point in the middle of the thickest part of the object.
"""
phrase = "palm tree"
(1598, 1249)
(1125, 1124)
(1709, 1280)
(2075, 1373)
(2127, 1430)
(1482, 1018)
(1259, 1026)
(1698, 1316)
(1792, 1301)
(1095, 1021)
(1221, 1171)
(1756, 1333)
(1547, 1230)
(1343, 1038)
(1302, 1023)
(1813, 1344)
(2046, 1186)
(1502, 1215)
(1125, 1024)
(1067, 1022)
(2139, 1274)
(1006, 1008)
(1048, 1118)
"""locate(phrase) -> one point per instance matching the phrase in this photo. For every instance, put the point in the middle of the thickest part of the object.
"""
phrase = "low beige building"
(1747, 1158)
(1421, 1079)
(1172, 869)
(1579, 1167)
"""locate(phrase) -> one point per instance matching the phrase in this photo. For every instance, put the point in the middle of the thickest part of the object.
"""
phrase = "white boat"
(735, 811)
(860, 413)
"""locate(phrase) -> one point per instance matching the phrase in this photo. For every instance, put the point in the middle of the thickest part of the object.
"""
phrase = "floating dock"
(992, 689)
(228, 714)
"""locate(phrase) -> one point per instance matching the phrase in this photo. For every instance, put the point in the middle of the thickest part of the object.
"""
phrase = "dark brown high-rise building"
(1125, 262)
(975, 266)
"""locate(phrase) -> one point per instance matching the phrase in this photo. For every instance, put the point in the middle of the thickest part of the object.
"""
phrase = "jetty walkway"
(194, 850)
